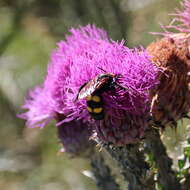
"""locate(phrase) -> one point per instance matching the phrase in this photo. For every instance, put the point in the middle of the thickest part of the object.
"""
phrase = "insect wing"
(98, 83)
(87, 90)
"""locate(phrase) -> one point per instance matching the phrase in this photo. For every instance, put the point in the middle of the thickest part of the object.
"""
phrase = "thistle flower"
(181, 22)
(84, 54)
(39, 105)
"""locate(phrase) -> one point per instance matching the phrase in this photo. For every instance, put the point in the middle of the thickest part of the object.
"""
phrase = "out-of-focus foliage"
(29, 158)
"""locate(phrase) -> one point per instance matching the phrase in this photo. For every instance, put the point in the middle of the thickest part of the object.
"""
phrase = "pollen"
(96, 98)
(88, 98)
(89, 109)
(97, 110)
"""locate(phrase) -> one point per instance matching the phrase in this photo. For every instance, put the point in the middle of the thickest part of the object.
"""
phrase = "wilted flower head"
(84, 54)
(171, 100)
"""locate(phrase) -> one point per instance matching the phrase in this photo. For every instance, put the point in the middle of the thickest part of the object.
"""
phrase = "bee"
(92, 91)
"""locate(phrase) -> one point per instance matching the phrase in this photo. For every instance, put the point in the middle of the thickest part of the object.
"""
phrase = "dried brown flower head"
(171, 99)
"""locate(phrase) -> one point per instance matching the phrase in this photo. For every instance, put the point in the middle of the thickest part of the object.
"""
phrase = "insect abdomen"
(94, 106)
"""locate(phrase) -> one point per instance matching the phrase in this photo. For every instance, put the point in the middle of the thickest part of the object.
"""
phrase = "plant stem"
(102, 173)
(166, 175)
(132, 164)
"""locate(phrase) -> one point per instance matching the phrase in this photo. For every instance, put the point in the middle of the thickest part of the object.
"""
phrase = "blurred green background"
(29, 30)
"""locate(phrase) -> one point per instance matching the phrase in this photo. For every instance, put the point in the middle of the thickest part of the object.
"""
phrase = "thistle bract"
(75, 138)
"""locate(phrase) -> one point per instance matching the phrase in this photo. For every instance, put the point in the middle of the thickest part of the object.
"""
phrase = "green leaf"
(159, 186)
(150, 159)
(187, 151)
(181, 163)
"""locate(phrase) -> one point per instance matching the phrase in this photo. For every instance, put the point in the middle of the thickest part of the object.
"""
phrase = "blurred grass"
(29, 158)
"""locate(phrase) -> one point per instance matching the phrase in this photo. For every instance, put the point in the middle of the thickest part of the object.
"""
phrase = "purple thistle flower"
(77, 60)
(183, 17)
(40, 111)
(180, 22)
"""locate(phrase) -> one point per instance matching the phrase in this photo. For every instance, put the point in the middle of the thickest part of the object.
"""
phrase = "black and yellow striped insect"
(92, 91)
(95, 106)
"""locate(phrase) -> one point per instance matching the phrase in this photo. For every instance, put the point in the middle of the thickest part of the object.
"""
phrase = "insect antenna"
(131, 89)
(102, 69)
(121, 86)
